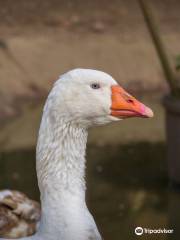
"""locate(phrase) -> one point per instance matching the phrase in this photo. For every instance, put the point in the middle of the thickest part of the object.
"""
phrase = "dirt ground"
(39, 40)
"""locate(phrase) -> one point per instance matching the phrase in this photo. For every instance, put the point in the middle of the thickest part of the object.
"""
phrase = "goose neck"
(61, 157)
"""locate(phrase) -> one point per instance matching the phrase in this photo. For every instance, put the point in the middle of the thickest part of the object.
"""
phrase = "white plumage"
(73, 105)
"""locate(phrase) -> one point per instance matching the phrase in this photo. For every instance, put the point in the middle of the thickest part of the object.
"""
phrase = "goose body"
(80, 99)
(19, 216)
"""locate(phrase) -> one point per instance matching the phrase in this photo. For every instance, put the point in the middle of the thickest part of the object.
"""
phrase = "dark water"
(127, 187)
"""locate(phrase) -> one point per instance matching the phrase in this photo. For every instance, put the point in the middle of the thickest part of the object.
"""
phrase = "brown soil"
(41, 39)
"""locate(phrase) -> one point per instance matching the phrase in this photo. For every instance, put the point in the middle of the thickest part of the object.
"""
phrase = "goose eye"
(95, 85)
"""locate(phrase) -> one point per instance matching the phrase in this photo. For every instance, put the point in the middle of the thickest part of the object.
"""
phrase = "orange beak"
(125, 105)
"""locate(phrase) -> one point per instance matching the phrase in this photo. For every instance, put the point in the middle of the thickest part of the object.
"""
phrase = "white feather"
(72, 106)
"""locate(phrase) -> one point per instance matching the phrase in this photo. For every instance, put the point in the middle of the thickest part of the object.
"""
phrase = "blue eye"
(95, 85)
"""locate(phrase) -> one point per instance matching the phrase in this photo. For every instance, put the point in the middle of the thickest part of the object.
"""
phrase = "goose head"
(81, 98)
(89, 97)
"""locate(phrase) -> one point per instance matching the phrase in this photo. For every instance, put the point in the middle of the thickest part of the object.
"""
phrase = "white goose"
(80, 99)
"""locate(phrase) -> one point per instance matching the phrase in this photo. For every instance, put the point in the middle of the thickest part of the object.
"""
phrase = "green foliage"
(177, 62)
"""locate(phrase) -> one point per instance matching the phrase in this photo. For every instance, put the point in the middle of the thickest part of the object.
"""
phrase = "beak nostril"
(128, 98)
(130, 101)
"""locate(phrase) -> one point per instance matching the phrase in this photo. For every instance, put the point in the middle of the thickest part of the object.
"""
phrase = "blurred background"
(127, 173)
